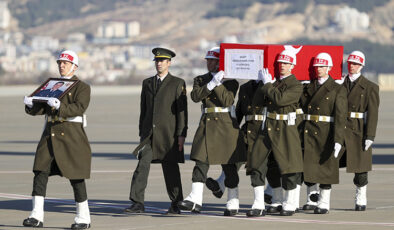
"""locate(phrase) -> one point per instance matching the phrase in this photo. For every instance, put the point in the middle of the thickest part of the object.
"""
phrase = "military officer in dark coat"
(64, 147)
(162, 130)
(325, 103)
(278, 135)
(361, 123)
(218, 139)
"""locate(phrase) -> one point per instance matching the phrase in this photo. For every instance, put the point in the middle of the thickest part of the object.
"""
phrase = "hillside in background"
(186, 24)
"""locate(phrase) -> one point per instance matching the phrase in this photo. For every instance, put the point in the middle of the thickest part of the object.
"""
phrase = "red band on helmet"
(213, 54)
(286, 58)
(355, 58)
(319, 61)
(67, 56)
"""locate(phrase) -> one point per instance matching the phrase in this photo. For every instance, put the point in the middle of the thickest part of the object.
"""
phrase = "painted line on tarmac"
(160, 210)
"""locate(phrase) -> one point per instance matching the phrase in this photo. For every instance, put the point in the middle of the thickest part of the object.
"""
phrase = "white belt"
(77, 119)
(217, 110)
(279, 117)
(356, 115)
(230, 109)
(316, 118)
(255, 117)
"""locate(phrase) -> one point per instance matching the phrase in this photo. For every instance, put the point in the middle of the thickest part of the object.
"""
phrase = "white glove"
(266, 76)
(340, 81)
(337, 149)
(53, 102)
(28, 101)
(216, 80)
(368, 144)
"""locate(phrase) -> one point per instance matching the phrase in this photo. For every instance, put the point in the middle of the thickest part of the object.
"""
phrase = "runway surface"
(113, 133)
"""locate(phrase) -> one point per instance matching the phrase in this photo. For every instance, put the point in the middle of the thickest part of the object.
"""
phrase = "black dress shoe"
(273, 209)
(135, 208)
(80, 226)
(255, 213)
(189, 206)
(173, 209)
(320, 210)
(267, 198)
(307, 207)
(286, 213)
(230, 212)
(32, 222)
(360, 207)
(213, 185)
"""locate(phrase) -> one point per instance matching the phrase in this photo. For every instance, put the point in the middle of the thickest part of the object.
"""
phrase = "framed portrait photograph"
(53, 87)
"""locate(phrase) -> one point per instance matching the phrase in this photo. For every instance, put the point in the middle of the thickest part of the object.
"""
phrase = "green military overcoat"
(248, 104)
(218, 139)
(364, 97)
(163, 118)
(65, 141)
(283, 139)
(320, 165)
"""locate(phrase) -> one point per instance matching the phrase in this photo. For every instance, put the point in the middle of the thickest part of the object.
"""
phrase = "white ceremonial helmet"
(287, 56)
(213, 53)
(323, 59)
(68, 55)
(357, 57)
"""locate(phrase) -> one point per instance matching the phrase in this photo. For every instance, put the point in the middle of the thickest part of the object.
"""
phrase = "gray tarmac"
(113, 133)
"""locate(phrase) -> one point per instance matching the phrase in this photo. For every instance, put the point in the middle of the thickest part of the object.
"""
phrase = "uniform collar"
(353, 77)
(283, 77)
(161, 78)
(321, 81)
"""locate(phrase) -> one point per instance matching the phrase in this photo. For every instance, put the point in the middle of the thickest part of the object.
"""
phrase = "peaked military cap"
(162, 53)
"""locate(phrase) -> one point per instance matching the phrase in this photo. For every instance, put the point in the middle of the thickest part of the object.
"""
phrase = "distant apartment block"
(118, 29)
(5, 16)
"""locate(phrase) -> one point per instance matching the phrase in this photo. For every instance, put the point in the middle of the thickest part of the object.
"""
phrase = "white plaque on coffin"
(243, 63)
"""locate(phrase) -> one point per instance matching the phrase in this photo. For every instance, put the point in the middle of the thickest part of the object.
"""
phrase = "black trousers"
(322, 186)
(200, 172)
(360, 179)
(40, 182)
(288, 181)
(172, 177)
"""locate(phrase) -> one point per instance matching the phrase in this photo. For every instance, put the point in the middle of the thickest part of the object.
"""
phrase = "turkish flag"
(303, 69)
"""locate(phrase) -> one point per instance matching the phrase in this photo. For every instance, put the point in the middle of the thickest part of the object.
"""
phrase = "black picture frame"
(53, 87)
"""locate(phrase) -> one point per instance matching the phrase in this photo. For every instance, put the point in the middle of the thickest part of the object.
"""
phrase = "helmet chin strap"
(359, 69)
(70, 71)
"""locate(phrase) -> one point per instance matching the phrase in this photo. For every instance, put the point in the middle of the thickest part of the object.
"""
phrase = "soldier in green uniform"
(64, 147)
(279, 136)
(253, 108)
(325, 113)
(162, 131)
(218, 139)
(361, 123)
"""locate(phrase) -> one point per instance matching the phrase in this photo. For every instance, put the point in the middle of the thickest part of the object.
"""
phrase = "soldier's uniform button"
(53, 121)
(69, 94)
(208, 98)
(362, 95)
(309, 106)
(256, 107)
(306, 131)
(277, 129)
(327, 98)
(214, 98)
(270, 103)
(208, 119)
(244, 96)
(353, 106)
(305, 94)
(315, 133)
(249, 107)
(318, 108)
(62, 134)
(216, 118)
(345, 126)
(154, 126)
(269, 129)
(249, 131)
(52, 134)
